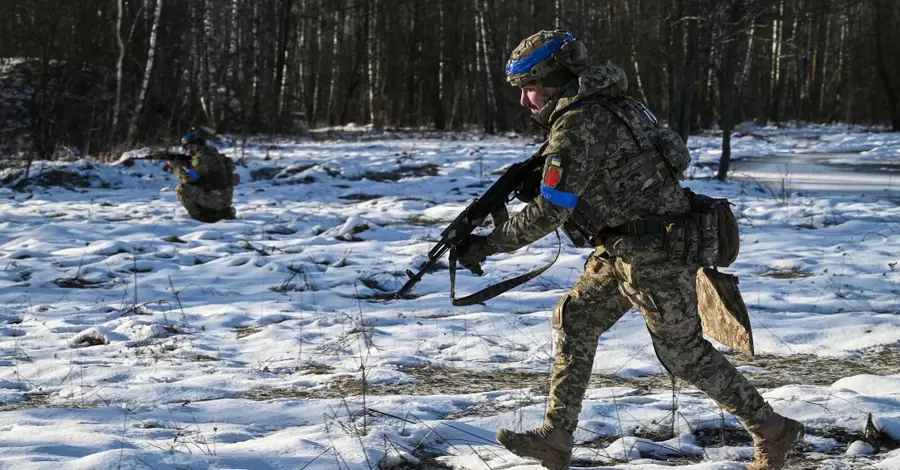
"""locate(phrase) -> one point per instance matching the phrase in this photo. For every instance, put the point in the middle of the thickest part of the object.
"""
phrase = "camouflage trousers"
(203, 205)
(665, 294)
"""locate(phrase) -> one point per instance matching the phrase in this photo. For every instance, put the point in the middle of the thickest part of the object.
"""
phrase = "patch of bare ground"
(30, 400)
(775, 371)
(450, 381)
(808, 369)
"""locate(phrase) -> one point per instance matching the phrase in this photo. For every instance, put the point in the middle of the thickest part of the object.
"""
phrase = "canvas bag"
(722, 310)
(717, 240)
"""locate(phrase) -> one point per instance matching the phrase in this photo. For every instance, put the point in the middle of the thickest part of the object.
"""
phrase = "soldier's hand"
(473, 251)
(530, 186)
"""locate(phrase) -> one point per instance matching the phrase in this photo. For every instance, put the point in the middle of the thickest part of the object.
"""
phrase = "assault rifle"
(492, 203)
(128, 158)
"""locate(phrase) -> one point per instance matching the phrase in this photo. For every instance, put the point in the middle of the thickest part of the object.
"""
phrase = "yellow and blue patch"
(555, 161)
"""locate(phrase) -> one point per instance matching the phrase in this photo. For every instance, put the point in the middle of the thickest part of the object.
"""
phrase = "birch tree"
(120, 9)
(148, 70)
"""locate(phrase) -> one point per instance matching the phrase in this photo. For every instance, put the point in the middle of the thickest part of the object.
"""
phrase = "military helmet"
(193, 137)
(548, 58)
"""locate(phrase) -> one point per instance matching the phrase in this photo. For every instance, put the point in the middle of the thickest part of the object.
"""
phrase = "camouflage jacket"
(208, 169)
(596, 173)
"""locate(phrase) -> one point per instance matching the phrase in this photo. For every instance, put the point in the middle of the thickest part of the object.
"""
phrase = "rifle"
(180, 159)
(146, 153)
(492, 203)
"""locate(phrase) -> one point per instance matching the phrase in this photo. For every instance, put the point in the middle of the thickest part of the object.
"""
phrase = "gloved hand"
(473, 251)
(530, 186)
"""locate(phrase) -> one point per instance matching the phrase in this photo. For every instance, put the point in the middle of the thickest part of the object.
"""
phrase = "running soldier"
(611, 181)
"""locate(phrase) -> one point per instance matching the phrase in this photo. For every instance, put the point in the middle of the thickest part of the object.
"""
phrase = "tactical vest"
(707, 235)
(651, 140)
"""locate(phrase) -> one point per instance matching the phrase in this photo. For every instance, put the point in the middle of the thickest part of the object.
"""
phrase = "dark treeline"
(105, 74)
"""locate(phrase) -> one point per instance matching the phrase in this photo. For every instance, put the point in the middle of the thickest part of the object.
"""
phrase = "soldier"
(611, 180)
(207, 184)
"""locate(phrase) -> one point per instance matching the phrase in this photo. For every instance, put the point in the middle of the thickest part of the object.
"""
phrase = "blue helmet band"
(539, 55)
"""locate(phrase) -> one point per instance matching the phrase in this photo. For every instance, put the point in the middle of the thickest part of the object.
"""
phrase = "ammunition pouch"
(707, 236)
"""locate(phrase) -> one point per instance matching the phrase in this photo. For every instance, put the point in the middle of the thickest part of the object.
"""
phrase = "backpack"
(646, 131)
(230, 168)
(719, 239)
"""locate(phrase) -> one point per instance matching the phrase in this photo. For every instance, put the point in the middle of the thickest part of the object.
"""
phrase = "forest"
(100, 76)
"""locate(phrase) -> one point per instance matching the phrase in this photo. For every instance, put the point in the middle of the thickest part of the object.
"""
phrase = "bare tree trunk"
(148, 70)
(690, 68)
(484, 67)
(317, 69)
(826, 61)
(632, 57)
(233, 44)
(776, 79)
(557, 14)
(336, 41)
(882, 16)
(304, 69)
(748, 58)
(119, 63)
(373, 56)
(257, 69)
(412, 67)
(440, 93)
(284, 32)
(839, 98)
(727, 86)
(208, 64)
(676, 67)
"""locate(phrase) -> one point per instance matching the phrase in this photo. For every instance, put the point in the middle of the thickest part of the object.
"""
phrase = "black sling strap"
(493, 291)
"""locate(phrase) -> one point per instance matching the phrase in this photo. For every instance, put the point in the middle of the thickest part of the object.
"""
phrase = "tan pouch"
(722, 310)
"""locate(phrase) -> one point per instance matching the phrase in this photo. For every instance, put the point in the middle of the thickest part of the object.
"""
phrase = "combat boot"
(773, 442)
(549, 445)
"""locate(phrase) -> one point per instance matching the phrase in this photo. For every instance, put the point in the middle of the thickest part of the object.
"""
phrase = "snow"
(858, 448)
(135, 337)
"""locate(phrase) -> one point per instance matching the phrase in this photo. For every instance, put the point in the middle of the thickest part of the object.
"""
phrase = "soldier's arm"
(195, 169)
(566, 173)
(181, 172)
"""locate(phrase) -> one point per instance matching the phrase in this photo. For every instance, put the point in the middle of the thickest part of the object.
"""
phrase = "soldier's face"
(534, 97)
(191, 149)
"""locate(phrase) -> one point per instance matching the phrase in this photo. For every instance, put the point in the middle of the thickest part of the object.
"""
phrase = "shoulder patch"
(553, 175)
(555, 161)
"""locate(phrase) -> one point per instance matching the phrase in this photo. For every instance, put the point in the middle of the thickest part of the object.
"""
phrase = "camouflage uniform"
(597, 175)
(206, 189)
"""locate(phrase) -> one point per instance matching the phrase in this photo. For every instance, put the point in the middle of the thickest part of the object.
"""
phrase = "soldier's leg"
(187, 194)
(593, 306)
(205, 206)
(666, 296)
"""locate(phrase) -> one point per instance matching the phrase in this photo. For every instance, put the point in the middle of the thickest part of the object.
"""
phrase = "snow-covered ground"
(134, 337)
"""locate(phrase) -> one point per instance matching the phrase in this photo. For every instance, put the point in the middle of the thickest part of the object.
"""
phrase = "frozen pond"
(822, 174)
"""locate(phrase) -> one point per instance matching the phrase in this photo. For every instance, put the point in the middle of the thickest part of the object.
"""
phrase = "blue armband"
(560, 198)
(193, 173)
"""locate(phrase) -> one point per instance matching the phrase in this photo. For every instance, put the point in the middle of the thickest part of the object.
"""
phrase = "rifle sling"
(494, 290)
